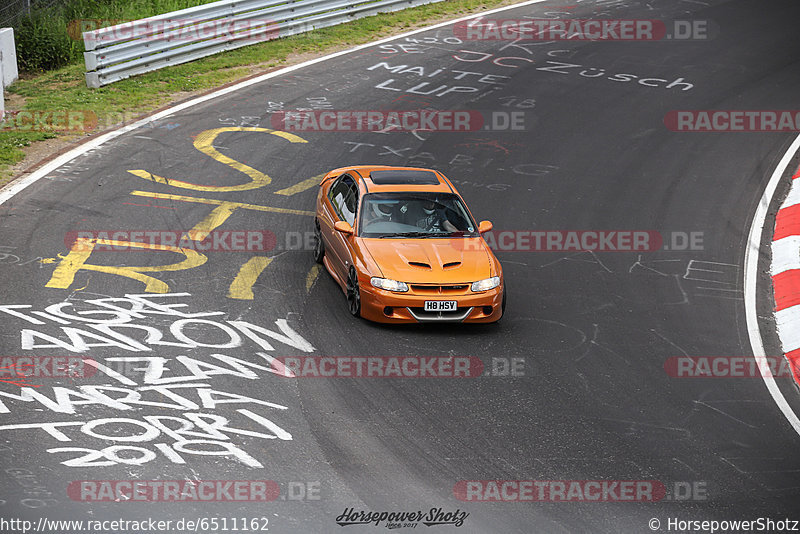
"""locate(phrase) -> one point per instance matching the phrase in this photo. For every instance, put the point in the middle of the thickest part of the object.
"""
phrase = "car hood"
(431, 261)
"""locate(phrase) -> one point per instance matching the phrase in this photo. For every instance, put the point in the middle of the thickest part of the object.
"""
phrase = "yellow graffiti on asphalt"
(301, 186)
(242, 286)
(75, 260)
(204, 142)
(213, 220)
(213, 201)
(311, 277)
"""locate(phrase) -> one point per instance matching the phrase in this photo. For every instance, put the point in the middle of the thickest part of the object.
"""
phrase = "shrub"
(43, 43)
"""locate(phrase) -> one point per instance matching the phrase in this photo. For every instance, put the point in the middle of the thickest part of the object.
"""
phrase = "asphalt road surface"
(575, 386)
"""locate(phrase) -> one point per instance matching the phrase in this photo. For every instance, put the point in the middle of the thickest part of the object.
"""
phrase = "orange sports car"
(404, 248)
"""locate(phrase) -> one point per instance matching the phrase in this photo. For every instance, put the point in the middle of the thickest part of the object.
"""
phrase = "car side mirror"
(343, 227)
(485, 226)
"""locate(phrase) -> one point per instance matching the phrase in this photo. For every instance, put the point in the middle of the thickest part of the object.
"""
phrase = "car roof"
(384, 179)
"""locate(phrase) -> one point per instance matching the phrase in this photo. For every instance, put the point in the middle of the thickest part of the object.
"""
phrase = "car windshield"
(419, 215)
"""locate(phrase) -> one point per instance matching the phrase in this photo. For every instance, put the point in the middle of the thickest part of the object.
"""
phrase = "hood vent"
(419, 264)
(451, 265)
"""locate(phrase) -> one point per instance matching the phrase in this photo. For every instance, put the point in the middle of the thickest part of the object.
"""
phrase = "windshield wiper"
(409, 234)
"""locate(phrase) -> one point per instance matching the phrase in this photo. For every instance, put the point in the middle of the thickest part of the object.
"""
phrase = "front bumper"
(389, 307)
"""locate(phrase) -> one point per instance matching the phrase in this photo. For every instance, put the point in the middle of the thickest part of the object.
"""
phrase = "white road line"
(18, 185)
(751, 277)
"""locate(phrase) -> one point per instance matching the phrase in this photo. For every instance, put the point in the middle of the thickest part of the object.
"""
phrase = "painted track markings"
(752, 250)
(786, 273)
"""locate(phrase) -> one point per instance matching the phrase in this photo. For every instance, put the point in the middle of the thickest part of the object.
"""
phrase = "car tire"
(503, 306)
(353, 293)
(319, 246)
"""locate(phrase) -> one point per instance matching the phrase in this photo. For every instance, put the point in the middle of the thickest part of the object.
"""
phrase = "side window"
(344, 197)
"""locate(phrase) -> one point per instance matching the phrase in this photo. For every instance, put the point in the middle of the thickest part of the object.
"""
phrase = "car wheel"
(319, 246)
(503, 306)
(353, 293)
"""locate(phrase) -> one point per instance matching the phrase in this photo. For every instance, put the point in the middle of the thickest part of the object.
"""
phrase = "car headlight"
(486, 284)
(388, 284)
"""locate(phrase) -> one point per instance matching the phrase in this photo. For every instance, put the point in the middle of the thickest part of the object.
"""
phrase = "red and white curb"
(786, 274)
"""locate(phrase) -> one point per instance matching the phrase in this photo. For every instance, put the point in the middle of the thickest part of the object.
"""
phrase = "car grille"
(424, 316)
(452, 289)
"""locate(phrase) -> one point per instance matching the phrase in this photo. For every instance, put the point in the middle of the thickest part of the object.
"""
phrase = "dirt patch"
(14, 101)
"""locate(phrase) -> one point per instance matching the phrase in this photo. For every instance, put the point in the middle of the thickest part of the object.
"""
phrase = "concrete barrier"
(8, 56)
(8, 63)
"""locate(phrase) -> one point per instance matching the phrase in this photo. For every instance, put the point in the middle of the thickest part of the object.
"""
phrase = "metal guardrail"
(131, 48)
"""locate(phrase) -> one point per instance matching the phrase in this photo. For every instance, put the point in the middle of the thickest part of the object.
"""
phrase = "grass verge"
(65, 89)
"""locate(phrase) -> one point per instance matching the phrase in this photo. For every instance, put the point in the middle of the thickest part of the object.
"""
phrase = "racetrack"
(592, 399)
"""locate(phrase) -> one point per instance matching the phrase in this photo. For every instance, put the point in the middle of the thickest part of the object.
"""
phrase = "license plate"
(441, 305)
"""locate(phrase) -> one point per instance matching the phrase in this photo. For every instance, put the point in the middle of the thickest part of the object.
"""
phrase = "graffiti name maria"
(184, 389)
(112, 321)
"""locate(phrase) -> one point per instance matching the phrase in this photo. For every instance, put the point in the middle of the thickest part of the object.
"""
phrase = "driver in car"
(435, 219)
(381, 212)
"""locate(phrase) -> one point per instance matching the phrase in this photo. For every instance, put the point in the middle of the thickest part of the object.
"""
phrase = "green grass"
(65, 88)
(11, 142)
(50, 38)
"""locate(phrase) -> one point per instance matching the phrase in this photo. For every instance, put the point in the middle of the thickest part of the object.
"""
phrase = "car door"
(327, 216)
(343, 199)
